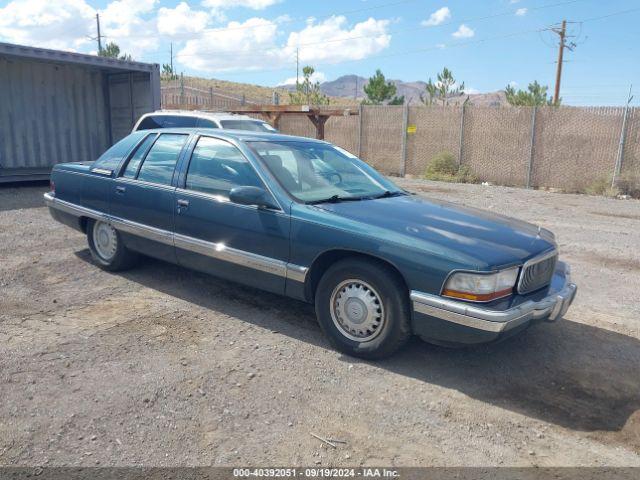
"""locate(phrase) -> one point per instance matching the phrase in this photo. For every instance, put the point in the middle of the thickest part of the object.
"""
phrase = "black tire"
(122, 259)
(395, 329)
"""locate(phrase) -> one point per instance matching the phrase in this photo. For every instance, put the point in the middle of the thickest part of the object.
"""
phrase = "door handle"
(182, 205)
(120, 189)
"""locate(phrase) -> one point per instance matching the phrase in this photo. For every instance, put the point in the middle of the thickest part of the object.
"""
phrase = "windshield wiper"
(335, 199)
(386, 194)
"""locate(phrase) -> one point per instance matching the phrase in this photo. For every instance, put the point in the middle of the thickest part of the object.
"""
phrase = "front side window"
(161, 160)
(314, 172)
(216, 167)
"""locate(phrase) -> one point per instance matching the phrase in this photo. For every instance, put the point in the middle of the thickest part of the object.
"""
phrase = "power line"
(429, 49)
(392, 32)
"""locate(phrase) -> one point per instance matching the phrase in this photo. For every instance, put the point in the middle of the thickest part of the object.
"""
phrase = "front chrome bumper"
(550, 308)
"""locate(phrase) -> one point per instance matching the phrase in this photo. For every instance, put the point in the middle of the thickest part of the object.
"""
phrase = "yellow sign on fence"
(412, 128)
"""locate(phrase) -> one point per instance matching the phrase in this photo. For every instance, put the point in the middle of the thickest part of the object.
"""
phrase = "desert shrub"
(602, 186)
(629, 184)
(444, 168)
(465, 175)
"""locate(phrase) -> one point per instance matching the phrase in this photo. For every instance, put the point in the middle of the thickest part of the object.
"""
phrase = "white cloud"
(315, 77)
(253, 44)
(441, 46)
(521, 12)
(252, 4)
(239, 46)
(463, 32)
(181, 21)
(513, 83)
(471, 91)
(129, 24)
(436, 18)
(319, 41)
(63, 24)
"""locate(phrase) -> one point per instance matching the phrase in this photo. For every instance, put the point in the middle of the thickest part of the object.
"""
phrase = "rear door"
(243, 243)
(142, 196)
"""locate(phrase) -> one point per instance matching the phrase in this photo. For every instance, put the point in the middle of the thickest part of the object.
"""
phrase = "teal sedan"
(309, 220)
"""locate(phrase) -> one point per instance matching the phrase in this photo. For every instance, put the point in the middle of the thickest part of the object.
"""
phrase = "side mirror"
(252, 196)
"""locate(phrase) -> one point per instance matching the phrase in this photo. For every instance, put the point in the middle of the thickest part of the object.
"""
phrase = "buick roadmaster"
(309, 220)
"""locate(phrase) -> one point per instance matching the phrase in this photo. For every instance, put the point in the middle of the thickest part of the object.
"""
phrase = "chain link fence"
(567, 148)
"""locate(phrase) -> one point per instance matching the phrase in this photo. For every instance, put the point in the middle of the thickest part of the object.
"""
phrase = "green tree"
(447, 86)
(535, 95)
(397, 100)
(432, 93)
(308, 92)
(168, 73)
(112, 50)
(378, 90)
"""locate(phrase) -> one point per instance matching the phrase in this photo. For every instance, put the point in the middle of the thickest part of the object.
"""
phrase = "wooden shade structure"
(317, 116)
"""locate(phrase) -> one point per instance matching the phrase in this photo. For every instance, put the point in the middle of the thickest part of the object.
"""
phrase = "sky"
(488, 44)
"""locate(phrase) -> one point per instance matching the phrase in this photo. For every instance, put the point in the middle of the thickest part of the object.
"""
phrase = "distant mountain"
(352, 86)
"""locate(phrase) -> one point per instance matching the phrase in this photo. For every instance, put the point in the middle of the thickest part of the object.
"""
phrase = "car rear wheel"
(362, 306)
(107, 249)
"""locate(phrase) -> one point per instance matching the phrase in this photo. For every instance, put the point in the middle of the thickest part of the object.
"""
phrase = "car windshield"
(250, 125)
(315, 172)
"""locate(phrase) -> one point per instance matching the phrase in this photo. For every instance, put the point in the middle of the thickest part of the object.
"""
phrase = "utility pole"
(562, 33)
(171, 53)
(99, 36)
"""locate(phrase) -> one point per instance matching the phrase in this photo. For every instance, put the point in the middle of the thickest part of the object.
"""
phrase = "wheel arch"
(327, 258)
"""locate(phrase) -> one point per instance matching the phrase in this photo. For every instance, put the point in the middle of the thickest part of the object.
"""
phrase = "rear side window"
(250, 125)
(149, 123)
(110, 159)
(161, 160)
(204, 123)
(178, 121)
(136, 158)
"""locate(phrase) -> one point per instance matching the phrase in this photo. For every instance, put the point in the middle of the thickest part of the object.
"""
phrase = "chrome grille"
(537, 272)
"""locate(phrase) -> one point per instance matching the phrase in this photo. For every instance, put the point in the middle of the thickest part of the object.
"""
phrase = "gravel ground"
(164, 366)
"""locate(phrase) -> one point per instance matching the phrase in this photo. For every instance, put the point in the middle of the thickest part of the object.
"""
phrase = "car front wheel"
(107, 249)
(362, 306)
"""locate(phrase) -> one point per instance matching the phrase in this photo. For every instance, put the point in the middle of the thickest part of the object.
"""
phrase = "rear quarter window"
(110, 159)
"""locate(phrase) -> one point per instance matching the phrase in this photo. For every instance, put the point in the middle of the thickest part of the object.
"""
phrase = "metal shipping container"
(59, 106)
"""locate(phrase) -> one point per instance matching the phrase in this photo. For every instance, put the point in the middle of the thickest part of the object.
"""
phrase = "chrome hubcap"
(357, 311)
(105, 240)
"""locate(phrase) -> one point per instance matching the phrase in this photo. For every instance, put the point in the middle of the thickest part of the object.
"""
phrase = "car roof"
(238, 135)
(201, 114)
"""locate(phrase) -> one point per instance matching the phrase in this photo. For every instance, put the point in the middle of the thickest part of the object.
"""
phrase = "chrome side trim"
(141, 230)
(296, 273)
(102, 171)
(220, 251)
(51, 201)
(551, 308)
(210, 249)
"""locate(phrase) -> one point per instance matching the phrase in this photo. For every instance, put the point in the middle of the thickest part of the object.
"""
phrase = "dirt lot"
(163, 366)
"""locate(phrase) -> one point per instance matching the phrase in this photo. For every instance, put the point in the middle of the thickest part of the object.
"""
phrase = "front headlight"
(481, 287)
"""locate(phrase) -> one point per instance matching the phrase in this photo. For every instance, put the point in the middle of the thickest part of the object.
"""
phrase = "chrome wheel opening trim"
(105, 240)
(357, 310)
(215, 250)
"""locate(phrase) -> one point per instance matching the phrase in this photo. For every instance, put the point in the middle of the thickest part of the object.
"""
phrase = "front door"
(242, 243)
(142, 199)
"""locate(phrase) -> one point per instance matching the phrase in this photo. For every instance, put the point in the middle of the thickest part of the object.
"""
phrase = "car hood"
(486, 239)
